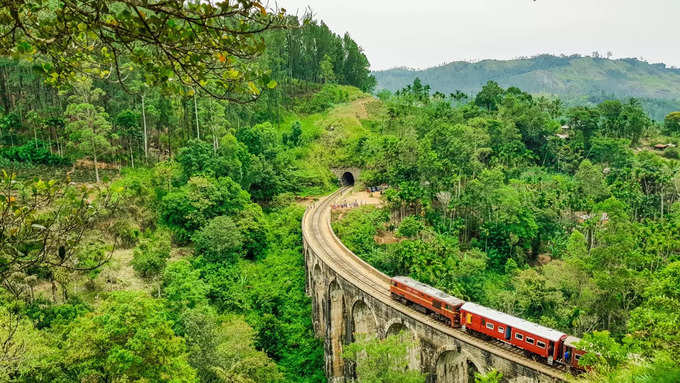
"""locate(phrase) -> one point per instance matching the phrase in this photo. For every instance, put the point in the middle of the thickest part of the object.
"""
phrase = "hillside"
(575, 79)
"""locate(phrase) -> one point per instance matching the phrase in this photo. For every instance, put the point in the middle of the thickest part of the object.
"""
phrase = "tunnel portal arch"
(347, 179)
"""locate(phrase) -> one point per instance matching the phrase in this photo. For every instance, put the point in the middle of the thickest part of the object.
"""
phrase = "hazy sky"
(424, 33)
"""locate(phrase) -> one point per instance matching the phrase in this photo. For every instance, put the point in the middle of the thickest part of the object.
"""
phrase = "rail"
(318, 234)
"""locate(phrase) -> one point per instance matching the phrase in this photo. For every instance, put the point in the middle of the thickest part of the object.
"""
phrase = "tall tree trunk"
(94, 155)
(132, 157)
(54, 289)
(3, 89)
(146, 140)
(198, 132)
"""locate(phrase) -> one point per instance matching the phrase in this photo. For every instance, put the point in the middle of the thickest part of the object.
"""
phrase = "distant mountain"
(576, 79)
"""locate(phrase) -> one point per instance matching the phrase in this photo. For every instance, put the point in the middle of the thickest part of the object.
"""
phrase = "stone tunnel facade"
(347, 176)
(341, 311)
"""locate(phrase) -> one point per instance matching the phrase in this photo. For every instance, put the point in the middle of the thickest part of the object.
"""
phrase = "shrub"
(673, 153)
(219, 241)
(126, 232)
(190, 207)
(251, 223)
(151, 255)
(324, 99)
(672, 123)
(410, 227)
(34, 151)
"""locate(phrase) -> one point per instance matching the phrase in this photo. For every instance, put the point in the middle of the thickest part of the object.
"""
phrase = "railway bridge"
(350, 297)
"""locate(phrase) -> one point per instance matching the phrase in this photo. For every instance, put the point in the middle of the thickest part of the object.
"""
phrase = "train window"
(436, 304)
(540, 344)
(519, 336)
(448, 307)
(500, 329)
(489, 326)
(530, 340)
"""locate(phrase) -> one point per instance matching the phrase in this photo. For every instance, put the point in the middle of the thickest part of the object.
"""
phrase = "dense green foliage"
(199, 228)
(383, 360)
(188, 266)
(539, 211)
(575, 79)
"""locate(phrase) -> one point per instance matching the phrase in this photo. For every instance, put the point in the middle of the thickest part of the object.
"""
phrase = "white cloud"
(430, 32)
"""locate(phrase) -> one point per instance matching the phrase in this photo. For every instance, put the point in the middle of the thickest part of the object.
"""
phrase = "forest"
(157, 158)
(567, 217)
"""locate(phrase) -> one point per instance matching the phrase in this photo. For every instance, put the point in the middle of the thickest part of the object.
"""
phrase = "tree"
(22, 346)
(151, 255)
(655, 321)
(672, 122)
(127, 128)
(356, 67)
(43, 224)
(127, 338)
(176, 44)
(490, 96)
(191, 207)
(584, 120)
(88, 126)
(326, 66)
(591, 185)
(383, 360)
(219, 241)
(223, 351)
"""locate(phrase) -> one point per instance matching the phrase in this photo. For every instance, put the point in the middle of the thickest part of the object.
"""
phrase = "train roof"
(512, 321)
(571, 341)
(429, 290)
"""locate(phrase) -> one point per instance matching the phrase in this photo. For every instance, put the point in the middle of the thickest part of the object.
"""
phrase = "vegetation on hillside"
(562, 216)
(150, 228)
(576, 80)
(156, 159)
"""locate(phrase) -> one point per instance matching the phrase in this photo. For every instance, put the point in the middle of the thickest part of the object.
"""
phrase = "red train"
(550, 345)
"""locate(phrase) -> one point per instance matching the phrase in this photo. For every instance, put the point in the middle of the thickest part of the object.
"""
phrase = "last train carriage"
(552, 346)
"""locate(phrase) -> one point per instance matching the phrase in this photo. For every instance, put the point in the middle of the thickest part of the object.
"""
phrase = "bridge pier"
(344, 308)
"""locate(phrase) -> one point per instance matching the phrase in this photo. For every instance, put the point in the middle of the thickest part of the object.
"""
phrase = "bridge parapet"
(350, 298)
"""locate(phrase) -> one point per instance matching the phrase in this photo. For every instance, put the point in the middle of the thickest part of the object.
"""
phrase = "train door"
(508, 332)
(560, 353)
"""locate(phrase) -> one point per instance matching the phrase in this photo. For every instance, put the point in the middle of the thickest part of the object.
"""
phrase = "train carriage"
(551, 345)
(426, 299)
(571, 354)
(529, 336)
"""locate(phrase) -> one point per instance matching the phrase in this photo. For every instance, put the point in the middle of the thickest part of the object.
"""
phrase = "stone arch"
(347, 179)
(447, 366)
(397, 326)
(363, 320)
(471, 369)
(335, 324)
(318, 307)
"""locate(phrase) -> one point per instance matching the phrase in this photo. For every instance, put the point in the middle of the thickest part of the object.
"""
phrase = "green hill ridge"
(575, 79)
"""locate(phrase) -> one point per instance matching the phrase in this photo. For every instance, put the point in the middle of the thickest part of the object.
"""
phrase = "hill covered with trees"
(575, 79)
(156, 158)
(563, 216)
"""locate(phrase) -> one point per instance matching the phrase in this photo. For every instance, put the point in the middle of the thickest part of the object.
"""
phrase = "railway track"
(317, 231)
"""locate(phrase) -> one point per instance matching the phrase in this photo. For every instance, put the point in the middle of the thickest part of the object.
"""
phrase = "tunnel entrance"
(347, 179)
